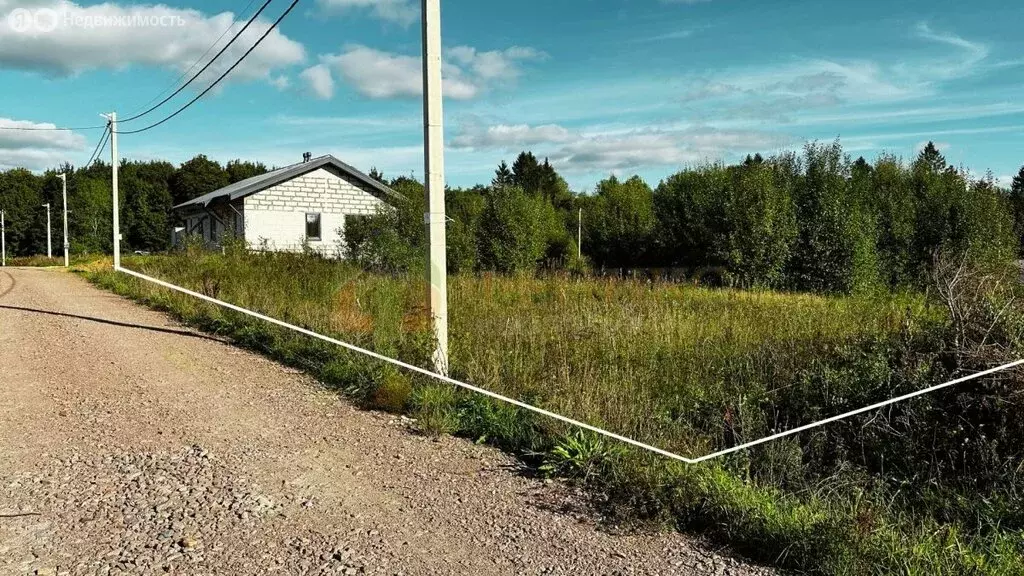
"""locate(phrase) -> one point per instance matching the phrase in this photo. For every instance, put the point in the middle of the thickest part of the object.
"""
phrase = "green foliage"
(196, 177)
(582, 456)
(928, 486)
(435, 408)
(690, 210)
(238, 170)
(813, 222)
(619, 222)
(1017, 208)
(465, 209)
(761, 225)
(394, 240)
(514, 228)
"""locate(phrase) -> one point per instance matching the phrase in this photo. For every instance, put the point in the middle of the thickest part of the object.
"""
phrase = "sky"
(599, 87)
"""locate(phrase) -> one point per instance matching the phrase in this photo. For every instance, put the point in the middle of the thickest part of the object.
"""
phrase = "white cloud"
(621, 149)
(652, 147)
(1005, 181)
(781, 93)
(281, 82)
(319, 81)
(37, 149)
(507, 137)
(111, 36)
(467, 72)
(403, 12)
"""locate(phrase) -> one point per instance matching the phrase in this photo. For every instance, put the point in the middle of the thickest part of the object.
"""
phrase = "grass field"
(687, 369)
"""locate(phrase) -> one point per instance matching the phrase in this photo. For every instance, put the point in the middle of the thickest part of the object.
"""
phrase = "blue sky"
(599, 86)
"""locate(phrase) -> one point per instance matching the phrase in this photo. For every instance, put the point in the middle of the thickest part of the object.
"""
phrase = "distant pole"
(49, 245)
(116, 200)
(579, 237)
(64, 189)
(3, 240)
(433, 137)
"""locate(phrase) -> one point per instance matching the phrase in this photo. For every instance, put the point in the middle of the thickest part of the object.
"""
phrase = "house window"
(313, 227)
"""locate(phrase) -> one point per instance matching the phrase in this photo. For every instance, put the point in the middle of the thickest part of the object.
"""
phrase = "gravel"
(130, 445)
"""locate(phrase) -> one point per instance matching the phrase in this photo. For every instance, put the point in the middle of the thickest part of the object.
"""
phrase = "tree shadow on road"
(117, 323)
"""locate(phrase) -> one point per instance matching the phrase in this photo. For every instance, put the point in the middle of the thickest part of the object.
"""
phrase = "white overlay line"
(552, 415)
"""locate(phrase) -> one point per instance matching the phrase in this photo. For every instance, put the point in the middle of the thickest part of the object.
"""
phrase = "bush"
(514, 231)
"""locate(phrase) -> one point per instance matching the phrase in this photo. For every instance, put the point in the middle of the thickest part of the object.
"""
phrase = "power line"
(54, 129)
(201, 58)
(205, 68)
(99, 147)
(222, 76)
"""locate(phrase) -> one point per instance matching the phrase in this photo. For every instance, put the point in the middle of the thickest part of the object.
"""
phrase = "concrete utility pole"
(64, 191)
(433, 140)
(579, 237)
(49, 246)
(116, 200)
(3, 240)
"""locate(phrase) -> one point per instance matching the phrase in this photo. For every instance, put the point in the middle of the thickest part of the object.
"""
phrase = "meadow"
(688, 369)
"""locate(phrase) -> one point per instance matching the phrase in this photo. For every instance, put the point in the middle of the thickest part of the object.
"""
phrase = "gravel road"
(131, 445)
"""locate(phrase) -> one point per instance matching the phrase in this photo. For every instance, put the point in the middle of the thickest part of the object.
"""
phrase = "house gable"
(275, 218)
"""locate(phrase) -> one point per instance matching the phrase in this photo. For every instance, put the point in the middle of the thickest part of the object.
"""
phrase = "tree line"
(816, 220)
(148, 191)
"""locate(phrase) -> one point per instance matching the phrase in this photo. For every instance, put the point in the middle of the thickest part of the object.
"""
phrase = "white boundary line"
(559, 417)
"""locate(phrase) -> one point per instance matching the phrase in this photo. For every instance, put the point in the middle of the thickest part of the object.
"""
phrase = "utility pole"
(433, 140)
(116, 200)
(49, 246)
(579, 237)
(64, 191)
(3, 240)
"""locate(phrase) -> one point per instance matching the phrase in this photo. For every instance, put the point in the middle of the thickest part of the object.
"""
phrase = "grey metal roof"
(259, 183)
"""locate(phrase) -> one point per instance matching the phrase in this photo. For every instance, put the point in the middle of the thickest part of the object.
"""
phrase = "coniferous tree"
(377, 175)
(1017, 206)
(502, 176)
(526, 173)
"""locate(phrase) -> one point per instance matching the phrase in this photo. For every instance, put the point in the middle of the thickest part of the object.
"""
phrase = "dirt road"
(130, 445)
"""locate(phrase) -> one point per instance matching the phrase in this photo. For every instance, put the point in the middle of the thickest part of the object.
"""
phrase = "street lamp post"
(64, 192)
(49, 246)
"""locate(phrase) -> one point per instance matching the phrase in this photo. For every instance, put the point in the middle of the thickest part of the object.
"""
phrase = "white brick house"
(282, 210)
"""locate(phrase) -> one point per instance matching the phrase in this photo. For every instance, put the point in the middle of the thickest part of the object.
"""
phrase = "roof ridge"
(244, 187)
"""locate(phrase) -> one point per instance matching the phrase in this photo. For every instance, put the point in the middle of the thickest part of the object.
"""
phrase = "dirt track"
(130, 445)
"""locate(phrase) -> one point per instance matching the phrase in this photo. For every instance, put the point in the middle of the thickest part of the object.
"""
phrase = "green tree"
(1017, 206)
(830, 221)
(238, 170)
(394, 239)
(689, 209)
(526, 173)
(145, 211)
(761, 225)
(196, 177)
(502, 176)
(377, 175)
(465, 208)
(619, 223)
(892, 200)
(513, 231)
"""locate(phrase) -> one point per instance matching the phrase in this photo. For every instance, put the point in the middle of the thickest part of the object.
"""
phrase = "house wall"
(276, 217)
(210, 224)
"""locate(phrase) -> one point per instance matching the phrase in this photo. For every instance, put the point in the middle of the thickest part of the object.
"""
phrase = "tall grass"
(688, 369)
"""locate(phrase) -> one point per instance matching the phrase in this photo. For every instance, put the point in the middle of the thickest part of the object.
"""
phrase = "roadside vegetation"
(726, 304)
(926, 487)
